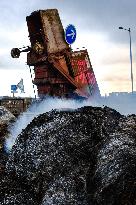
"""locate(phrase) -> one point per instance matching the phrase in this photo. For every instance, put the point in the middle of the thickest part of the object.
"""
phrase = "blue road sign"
(70, 34)
(13, 87)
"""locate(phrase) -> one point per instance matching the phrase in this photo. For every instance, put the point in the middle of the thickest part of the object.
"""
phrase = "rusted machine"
(58, 70)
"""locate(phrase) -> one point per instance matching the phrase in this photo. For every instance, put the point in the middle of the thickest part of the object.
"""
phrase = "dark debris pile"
(6, 119)
(75, 157)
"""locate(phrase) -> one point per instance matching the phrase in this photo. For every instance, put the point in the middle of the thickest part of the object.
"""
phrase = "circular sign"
(70, 34)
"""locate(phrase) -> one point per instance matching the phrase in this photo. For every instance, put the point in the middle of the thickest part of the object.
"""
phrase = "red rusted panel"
(54, 90)
(83, 72)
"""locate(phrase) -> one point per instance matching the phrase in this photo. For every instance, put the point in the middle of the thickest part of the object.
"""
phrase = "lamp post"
(130, 54)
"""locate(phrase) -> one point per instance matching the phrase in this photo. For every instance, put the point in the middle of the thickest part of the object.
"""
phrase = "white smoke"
(124, 106)
(124, 102)
(36, 109)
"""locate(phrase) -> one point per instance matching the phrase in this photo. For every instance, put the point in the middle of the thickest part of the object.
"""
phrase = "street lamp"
(130, 54)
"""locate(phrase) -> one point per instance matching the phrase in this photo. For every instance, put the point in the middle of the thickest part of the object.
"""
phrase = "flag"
(20, 85)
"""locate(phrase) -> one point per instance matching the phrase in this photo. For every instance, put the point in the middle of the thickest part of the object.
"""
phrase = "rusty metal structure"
(58, 70)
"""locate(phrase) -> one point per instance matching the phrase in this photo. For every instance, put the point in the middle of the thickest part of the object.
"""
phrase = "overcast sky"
(97, 23)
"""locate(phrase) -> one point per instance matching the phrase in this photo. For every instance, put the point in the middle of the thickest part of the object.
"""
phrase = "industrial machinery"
(59, 71)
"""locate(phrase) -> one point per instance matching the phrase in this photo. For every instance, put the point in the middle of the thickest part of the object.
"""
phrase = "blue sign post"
(13, 88)
(70, 34)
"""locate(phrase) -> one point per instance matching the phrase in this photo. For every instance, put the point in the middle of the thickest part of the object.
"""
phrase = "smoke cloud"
(125, 105)
(36, 109)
